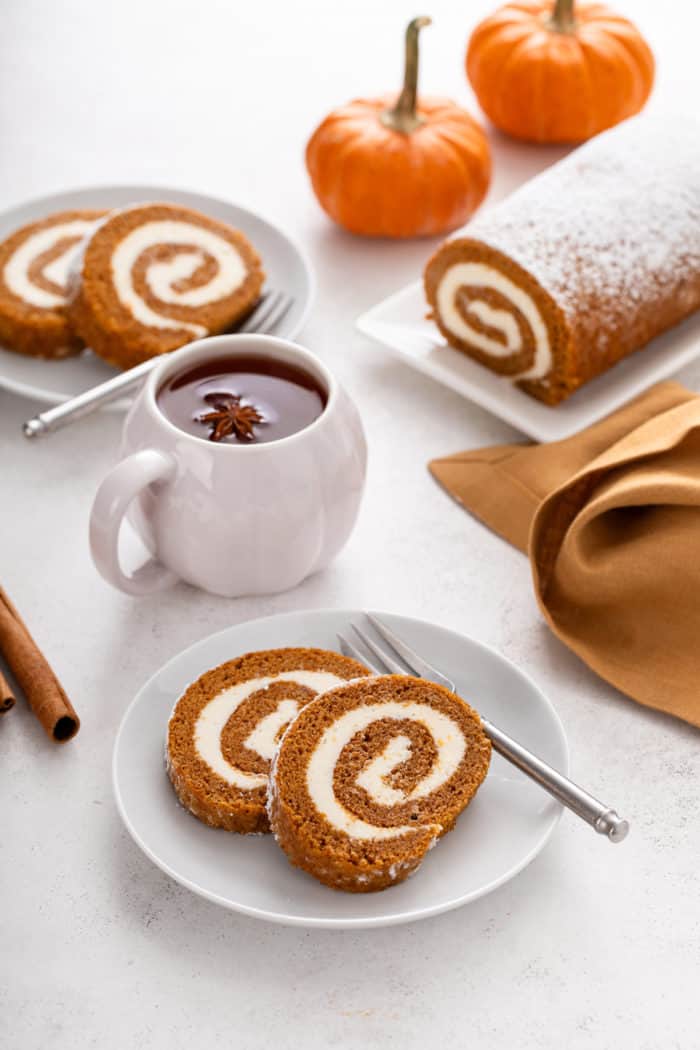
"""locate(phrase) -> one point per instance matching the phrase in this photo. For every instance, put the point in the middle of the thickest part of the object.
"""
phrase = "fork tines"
(395, 657)
(271, 308)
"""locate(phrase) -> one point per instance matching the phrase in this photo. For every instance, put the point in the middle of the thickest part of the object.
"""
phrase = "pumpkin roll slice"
(156, 276)
(224, 730)
(583, 265)
(35, 268)
(370, 775)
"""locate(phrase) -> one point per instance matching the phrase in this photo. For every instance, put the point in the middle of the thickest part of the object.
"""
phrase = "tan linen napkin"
(610, 519)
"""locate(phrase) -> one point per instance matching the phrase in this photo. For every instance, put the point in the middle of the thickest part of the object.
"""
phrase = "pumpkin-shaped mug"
(238, 518)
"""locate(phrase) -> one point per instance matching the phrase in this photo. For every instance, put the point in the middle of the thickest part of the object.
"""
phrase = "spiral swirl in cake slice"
(36, 262)
(156, 276)
(369, 775)
(225, 729)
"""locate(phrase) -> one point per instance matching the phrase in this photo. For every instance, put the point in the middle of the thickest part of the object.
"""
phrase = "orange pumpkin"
(414, 167)
(548, 72)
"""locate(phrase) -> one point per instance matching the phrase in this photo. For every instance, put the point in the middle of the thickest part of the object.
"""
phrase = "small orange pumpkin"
(546, 72)
(415, 167)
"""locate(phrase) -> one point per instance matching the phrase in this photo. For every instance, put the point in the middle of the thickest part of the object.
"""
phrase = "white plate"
(399, 324)
(504, 828)
(286, 267)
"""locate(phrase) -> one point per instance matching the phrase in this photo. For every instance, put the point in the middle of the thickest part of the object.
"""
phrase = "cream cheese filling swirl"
(195, 244)
(481, 275)
(18, 270)
(215, 715)
(450, 746)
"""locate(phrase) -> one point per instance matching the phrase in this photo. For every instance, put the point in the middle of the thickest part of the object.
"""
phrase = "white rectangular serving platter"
(400, 325)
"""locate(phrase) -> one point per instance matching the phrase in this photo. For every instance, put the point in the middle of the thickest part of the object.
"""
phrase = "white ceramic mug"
(232, 519)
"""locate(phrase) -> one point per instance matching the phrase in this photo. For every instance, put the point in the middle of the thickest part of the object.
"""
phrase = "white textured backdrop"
(592, 947)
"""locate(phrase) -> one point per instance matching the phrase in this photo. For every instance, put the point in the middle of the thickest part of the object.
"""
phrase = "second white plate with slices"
(286, 266)
(400, 325)
(503, 829)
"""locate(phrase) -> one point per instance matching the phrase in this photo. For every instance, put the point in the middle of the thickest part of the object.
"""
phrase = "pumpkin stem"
(562, 19)
(402, 116)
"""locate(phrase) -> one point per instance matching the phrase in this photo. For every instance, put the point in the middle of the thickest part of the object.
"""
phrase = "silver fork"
(271, 308)
(401, 659)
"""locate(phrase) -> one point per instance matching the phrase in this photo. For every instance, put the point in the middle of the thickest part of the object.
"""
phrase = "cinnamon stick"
(38, 682)
(7, 699)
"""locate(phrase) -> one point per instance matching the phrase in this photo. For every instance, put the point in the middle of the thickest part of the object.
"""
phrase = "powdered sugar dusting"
(614, 225)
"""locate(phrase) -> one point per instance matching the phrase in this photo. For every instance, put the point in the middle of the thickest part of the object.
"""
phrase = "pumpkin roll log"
(35, 266)
(583, 265)
(225, 728)
(370, 775)
(156, 276)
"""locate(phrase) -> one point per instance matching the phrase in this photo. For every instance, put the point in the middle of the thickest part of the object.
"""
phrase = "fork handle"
(84, 404)
(601, 817)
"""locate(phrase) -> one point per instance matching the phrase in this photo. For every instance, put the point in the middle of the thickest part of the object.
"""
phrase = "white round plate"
(286, 267)
(503, 829)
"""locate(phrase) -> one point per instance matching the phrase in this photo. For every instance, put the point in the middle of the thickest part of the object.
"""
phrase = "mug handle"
(123, 483)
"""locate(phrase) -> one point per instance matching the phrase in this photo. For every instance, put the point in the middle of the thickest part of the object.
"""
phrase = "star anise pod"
(229, 416)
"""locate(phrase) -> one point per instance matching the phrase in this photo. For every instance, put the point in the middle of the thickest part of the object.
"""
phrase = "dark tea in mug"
(246, 400)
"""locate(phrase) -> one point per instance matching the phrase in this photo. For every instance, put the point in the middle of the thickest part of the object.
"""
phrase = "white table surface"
(592, 946)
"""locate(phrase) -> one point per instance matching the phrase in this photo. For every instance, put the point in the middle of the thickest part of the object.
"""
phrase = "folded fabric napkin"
(610, 519)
